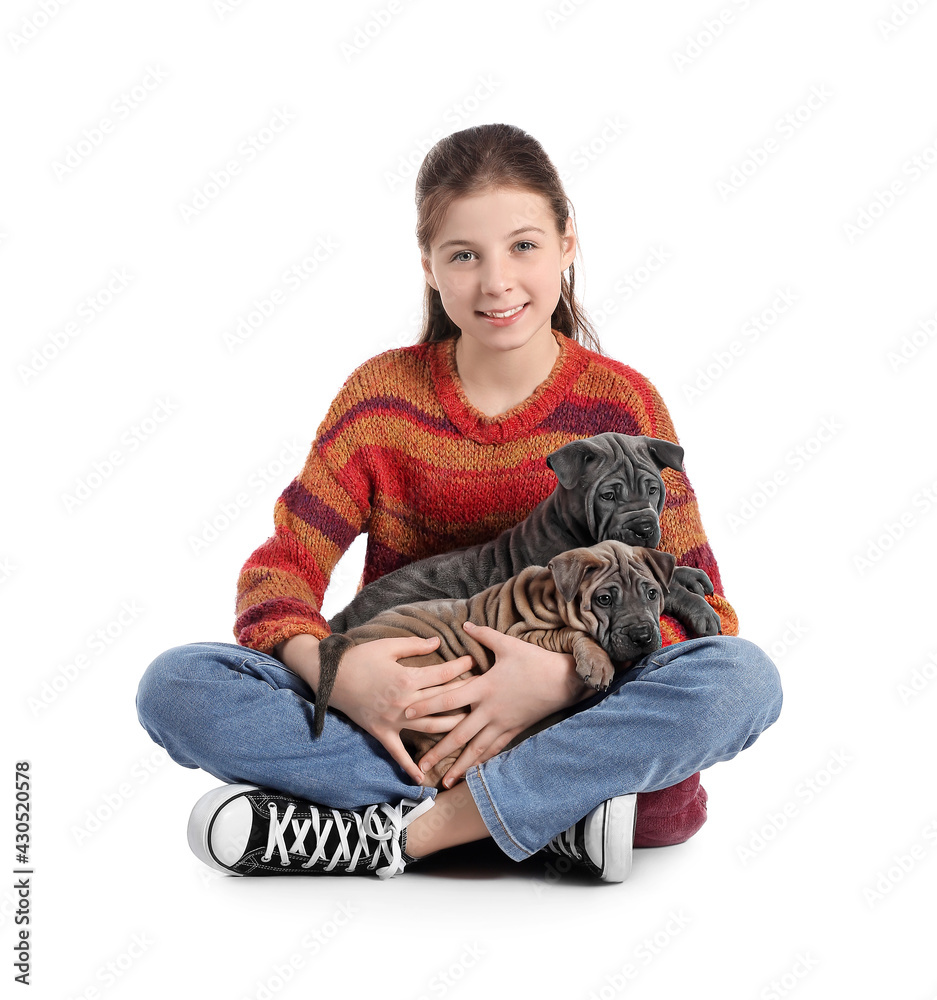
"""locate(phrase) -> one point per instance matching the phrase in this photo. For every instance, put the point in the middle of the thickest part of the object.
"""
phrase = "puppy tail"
(331, 650)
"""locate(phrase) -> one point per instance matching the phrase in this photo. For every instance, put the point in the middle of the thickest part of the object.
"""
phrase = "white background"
(808, 448)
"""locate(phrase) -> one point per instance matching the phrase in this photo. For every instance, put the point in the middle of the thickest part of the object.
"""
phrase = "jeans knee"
(755, 678)
(154, 700)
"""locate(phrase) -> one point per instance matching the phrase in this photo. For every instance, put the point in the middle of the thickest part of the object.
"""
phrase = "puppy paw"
(596, 673)
(706, 622)
(696, 581)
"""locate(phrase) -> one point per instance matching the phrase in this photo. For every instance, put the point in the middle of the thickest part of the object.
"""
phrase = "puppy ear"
(570, 568)
(665, 454)
(571, 461)
(661, 565)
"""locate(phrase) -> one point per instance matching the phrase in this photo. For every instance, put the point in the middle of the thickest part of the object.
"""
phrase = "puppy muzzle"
(642, 530)
(634, 640)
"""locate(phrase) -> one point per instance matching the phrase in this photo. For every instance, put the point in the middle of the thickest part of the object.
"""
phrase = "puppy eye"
(651, 594)
(653, 490)
(603, 600)
(607, 496)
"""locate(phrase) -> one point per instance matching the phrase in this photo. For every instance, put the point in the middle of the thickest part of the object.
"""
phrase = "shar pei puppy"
(608, 487)
(601, 603)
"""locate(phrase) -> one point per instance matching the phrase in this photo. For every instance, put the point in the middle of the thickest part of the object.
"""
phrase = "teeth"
(510, 312)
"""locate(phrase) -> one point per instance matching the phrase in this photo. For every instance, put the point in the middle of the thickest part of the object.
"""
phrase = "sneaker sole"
(620, 822)
(202, 818)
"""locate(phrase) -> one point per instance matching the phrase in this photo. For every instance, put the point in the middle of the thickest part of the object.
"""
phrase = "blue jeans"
(243, 716)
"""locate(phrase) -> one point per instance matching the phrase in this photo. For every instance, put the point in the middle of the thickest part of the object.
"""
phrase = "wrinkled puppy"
(601, 604)
(608, 486)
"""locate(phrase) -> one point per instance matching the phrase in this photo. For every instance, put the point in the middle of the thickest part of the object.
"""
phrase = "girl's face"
(496, 252)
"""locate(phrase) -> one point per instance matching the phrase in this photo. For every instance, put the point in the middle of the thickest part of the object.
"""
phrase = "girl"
(429, 448)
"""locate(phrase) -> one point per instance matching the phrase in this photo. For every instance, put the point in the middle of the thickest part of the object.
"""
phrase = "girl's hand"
(525, 684)
(374, 691)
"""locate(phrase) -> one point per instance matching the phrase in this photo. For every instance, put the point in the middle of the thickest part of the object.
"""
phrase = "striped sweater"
(404, 456)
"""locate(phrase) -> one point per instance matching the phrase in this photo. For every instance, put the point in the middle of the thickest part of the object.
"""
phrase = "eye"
(653, 490)
(608, 495)
(652, 594)
(461, 253)
(603, 600)
(525, 243)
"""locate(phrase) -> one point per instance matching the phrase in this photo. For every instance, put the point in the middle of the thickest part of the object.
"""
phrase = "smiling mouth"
(504, 314)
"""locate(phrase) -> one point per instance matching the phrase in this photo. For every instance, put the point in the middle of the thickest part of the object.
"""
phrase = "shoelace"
(378, 832)
(565, 843)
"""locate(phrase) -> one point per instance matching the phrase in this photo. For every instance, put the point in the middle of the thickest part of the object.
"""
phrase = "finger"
(404, 646)
(437, 723)
(455, 740)
(448, 699)
(398, 751)
(487, 636)
(442, 673)
(485, 745)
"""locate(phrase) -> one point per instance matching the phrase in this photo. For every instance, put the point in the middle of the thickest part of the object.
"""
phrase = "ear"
(570, 568)
(571, 461)
(661, 565)
(665, 454)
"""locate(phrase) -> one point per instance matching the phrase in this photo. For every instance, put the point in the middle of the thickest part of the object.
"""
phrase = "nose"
(496, 276)
(641, 633)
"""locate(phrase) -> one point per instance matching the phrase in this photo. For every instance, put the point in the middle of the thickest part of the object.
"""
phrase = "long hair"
(468, 162)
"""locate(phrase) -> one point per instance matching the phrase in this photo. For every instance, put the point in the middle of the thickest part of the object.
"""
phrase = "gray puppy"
(608, 487)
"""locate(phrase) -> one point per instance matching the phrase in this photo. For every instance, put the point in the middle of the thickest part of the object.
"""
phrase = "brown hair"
(467, 162)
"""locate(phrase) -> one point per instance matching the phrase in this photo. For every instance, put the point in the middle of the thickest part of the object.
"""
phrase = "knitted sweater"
(403, 455)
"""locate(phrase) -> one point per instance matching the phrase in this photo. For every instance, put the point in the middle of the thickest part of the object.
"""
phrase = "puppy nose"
(644, 528)
(640, 633)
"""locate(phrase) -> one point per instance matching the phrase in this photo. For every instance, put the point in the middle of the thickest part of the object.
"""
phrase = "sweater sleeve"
(681, 527)
(282, 584)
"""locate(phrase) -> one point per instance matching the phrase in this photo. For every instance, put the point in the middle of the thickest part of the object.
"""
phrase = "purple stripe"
(585, 418)
(318, 514)
(389, 404)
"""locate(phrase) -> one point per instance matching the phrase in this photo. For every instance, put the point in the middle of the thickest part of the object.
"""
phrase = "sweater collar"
(519, 420)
